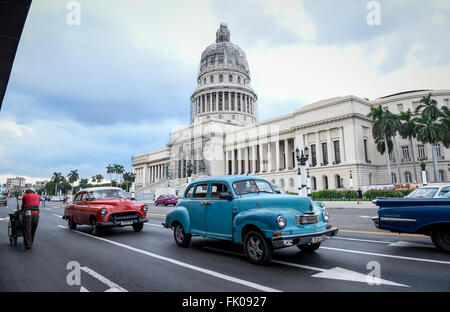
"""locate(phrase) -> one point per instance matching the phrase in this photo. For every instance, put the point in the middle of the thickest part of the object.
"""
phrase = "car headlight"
(281, 222)
(145, 208)
(325, 216)
(103, 212)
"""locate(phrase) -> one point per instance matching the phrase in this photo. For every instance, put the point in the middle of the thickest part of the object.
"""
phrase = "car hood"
(276, 201)
(115, 205)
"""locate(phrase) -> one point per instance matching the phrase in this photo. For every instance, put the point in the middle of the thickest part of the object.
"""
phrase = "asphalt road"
(122, 260)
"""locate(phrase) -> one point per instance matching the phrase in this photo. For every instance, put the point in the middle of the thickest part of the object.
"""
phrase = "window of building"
(313, 155)
(229, 59)
(391, 156)
(211, 79)
(366, 154)
(441, 176)
(414, 105)
(220, 78)
(394, 178)
(211, 60)
(421, 151)
(291, 182)
(313, 183)
(239, 79)
(437, 150)
(408, 177)
(325, 182)
(325, 153)
(337, 152)
(220, 58)
(338, 181)
(230, 78)
(405, 152)
(400, 107)
(282, 183)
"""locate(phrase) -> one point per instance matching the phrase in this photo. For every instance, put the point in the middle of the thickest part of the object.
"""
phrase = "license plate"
(126, 222)
(317, 239)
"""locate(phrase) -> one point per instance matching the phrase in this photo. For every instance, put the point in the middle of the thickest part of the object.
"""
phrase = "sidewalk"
(349, 205)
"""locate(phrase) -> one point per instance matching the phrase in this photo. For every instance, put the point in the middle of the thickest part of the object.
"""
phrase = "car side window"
(216, 189)
(84, 196)
(201, 191)
(77, 198)
(189, 192)
(444, 191)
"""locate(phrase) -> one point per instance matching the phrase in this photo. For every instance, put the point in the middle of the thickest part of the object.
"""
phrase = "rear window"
(201, 191)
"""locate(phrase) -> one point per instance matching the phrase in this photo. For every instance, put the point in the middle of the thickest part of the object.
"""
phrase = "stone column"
(269, 156)
(261, 162)
(277, 153)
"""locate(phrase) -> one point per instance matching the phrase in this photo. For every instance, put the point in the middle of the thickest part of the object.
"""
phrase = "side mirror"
(277, 191)
(226, 196)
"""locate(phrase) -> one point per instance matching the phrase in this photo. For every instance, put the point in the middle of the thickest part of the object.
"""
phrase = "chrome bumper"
(376, 220)
(300, 239)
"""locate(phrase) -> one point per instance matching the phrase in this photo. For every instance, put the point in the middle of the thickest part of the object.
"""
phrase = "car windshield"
(252, 186)
(423, 192)
(109, 193)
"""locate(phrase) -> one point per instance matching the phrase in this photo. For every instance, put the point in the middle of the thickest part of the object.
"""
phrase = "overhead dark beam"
(13, 14)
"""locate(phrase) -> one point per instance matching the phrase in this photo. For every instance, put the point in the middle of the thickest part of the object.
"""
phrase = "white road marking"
(182, 264)
(113, 287)
(385, 255)
(365, 217)
(158, 225)
(360, 240)
(54, 214)
(336, 273)
(82, 289)
(409, 244)
(4, 219)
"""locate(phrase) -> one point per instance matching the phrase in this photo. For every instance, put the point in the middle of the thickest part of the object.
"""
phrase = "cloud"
(16, 129)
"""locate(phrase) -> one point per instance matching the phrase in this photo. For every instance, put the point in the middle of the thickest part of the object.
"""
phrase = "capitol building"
(225, 137)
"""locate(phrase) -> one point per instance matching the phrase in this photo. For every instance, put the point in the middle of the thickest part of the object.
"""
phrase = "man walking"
(360, 195)
(43, 201)
(30, 208)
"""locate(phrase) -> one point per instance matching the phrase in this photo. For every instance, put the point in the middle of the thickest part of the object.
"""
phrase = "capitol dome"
(223, 90)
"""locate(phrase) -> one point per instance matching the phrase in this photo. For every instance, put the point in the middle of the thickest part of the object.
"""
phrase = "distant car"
(246, 209)
(431, 191)
(166, 200)
(3, 200)
(103, 207)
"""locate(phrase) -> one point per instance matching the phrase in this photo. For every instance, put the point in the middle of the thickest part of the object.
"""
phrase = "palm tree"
(407, 131)
(83, 183)
(429, 131)
(128, 177)
(99, 178)
(428, 106)
(73, 177)
(110, 170)
(445, 122)
(57, 178)
(385, 126)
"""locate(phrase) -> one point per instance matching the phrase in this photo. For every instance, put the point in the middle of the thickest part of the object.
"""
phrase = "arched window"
(239, 79)
(325, 182)
(338, 181)
(282, 183)
(313, 183)
(291, 182)
(394, 178)
(230, 78)
(408, 178)
(220, 78)
(211, 79)
(441, 176)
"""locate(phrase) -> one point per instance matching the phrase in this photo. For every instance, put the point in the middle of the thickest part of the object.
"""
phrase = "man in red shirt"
(30, 208)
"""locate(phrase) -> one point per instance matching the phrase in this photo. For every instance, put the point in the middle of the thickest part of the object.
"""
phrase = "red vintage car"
(103, 207)
(166, 200)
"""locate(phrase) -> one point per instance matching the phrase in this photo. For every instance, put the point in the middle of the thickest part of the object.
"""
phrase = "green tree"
(73, 177)
(407, 131)
(84, 183)
(57, 178)
(428, 106)
(430, 131)
(445, 122)
(110, 171)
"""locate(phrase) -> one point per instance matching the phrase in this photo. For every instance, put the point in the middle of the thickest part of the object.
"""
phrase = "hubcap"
(179, 233)
(255, 248)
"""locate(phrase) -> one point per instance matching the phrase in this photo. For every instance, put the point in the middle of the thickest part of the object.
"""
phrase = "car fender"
(179, 214)
(263, 219)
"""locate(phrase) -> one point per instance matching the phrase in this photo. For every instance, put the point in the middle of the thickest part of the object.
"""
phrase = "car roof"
(434, 185)
(230, 179)
(100, 188)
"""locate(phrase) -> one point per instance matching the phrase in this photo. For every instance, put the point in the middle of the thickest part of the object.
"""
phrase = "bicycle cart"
(15, 227)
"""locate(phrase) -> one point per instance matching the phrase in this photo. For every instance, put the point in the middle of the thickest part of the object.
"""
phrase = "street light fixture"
(351, 180)
(302, 158)
(424, 172)
(189, 172)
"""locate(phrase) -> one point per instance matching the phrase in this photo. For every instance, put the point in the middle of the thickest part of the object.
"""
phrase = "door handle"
(203, 203)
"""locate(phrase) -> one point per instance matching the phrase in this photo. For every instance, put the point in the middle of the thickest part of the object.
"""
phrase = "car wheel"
(138, 227)
(441, 238)
(181, 238)
(72, 225)
(309, 248)
(257, 248)
(95, 230)
(156, 204)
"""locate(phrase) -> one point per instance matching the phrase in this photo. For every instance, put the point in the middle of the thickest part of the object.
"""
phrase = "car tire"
(441, 238)
(72, 225)
(181, 238)
(137, 227)
(309, 248)
(257, 249)
(95, 230)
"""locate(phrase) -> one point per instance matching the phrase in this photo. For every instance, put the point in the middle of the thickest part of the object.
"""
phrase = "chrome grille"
(307, 219)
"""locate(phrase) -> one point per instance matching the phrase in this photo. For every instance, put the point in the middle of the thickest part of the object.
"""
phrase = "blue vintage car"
(246, 209)
(428, 216)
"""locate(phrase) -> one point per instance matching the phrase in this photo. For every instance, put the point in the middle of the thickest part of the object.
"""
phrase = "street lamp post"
(308, 183)
(424, 172)
(189, 172)
(351, 180)
(301, 161)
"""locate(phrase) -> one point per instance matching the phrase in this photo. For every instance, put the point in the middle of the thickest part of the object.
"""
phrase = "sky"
(95, 81)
